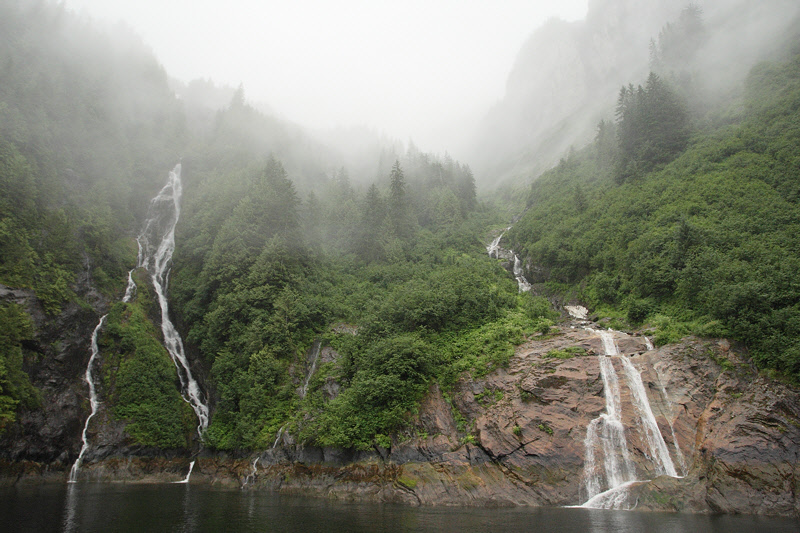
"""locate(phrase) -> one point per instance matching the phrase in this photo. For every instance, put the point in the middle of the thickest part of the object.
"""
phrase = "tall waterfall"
(156, 245)
(608, 469)
(159, 228)
(93, 400)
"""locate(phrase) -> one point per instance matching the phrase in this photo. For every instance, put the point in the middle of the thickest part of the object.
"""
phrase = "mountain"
(191, 287)
(567, 75)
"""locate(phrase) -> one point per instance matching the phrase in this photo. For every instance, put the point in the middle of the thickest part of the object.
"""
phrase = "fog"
(568, 75)
(425, 70)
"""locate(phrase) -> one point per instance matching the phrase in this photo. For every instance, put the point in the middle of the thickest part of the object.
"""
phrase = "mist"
(567, 76)
(416, 70)
(507, 89)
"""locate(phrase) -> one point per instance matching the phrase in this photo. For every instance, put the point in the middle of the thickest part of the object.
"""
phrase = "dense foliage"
(138, 378)
(707, 243)
(398, 270)
(87, 125)
(15, 386)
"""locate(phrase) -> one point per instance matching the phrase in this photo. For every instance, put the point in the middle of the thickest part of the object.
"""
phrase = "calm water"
(107, 507)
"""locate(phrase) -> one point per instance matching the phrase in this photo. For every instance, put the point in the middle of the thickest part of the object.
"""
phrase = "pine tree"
(373, 213)
(399, 213)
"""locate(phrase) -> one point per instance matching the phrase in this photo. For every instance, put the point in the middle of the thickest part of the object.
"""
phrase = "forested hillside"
(261, 275)
(277, 252)
(684, 223)
(326, 305)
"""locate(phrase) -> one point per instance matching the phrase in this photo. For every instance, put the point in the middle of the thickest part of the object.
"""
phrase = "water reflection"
(89, 507)
(70, 507)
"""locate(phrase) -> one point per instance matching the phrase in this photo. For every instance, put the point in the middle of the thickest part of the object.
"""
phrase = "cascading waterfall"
(156, 245)
(252, 474)
(494, 248)
(523, 284)
(658, 452)
(315, 357)
(160, 228)
(494, 252)
(95, 403)
(668, 415)
(606, 433)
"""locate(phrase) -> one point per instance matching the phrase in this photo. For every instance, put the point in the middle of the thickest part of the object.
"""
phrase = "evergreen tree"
(466, 190)
(652, 126)
(399, 215)
(373, 214)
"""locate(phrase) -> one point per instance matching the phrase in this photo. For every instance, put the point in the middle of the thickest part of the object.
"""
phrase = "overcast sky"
(403, 67)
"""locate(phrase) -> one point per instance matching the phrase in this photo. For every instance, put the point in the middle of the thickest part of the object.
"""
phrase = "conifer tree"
(399, 215)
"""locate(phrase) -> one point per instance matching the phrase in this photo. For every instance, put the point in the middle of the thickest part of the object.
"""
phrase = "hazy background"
(421, 69)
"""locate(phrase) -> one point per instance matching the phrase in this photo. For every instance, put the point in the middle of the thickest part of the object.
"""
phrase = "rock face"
(51, 434)
(517, 437)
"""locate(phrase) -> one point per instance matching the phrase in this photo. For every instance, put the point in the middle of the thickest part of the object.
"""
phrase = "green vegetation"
(257, 285)
(15, 386)
(566, 353)
(684, 223)
(139, 378)
(706, 243)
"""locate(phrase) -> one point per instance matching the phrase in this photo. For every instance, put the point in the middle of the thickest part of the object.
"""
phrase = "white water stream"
(494, 248)
(495, 251)
(658, 452)
(156, 245)
(607, 485)
(163, 215)
(278, 438)
(252, 475)
(315, 350)
(95, 403)
(188, 475)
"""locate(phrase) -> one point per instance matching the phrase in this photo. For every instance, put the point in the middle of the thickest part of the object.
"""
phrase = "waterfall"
(494, 247)
(278, 438)
(659, 453)
(160, 226)
(523, 284)
(606, 434)
(188, 475)
(252, 475)
(668, 416)
(95, 403)
(494, 251)
(156, 245)
(315, 358)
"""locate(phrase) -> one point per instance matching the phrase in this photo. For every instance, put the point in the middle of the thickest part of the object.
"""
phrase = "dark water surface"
(88, 507)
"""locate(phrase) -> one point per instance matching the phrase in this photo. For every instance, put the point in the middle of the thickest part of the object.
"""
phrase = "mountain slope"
(568, 74)
(707, 243)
